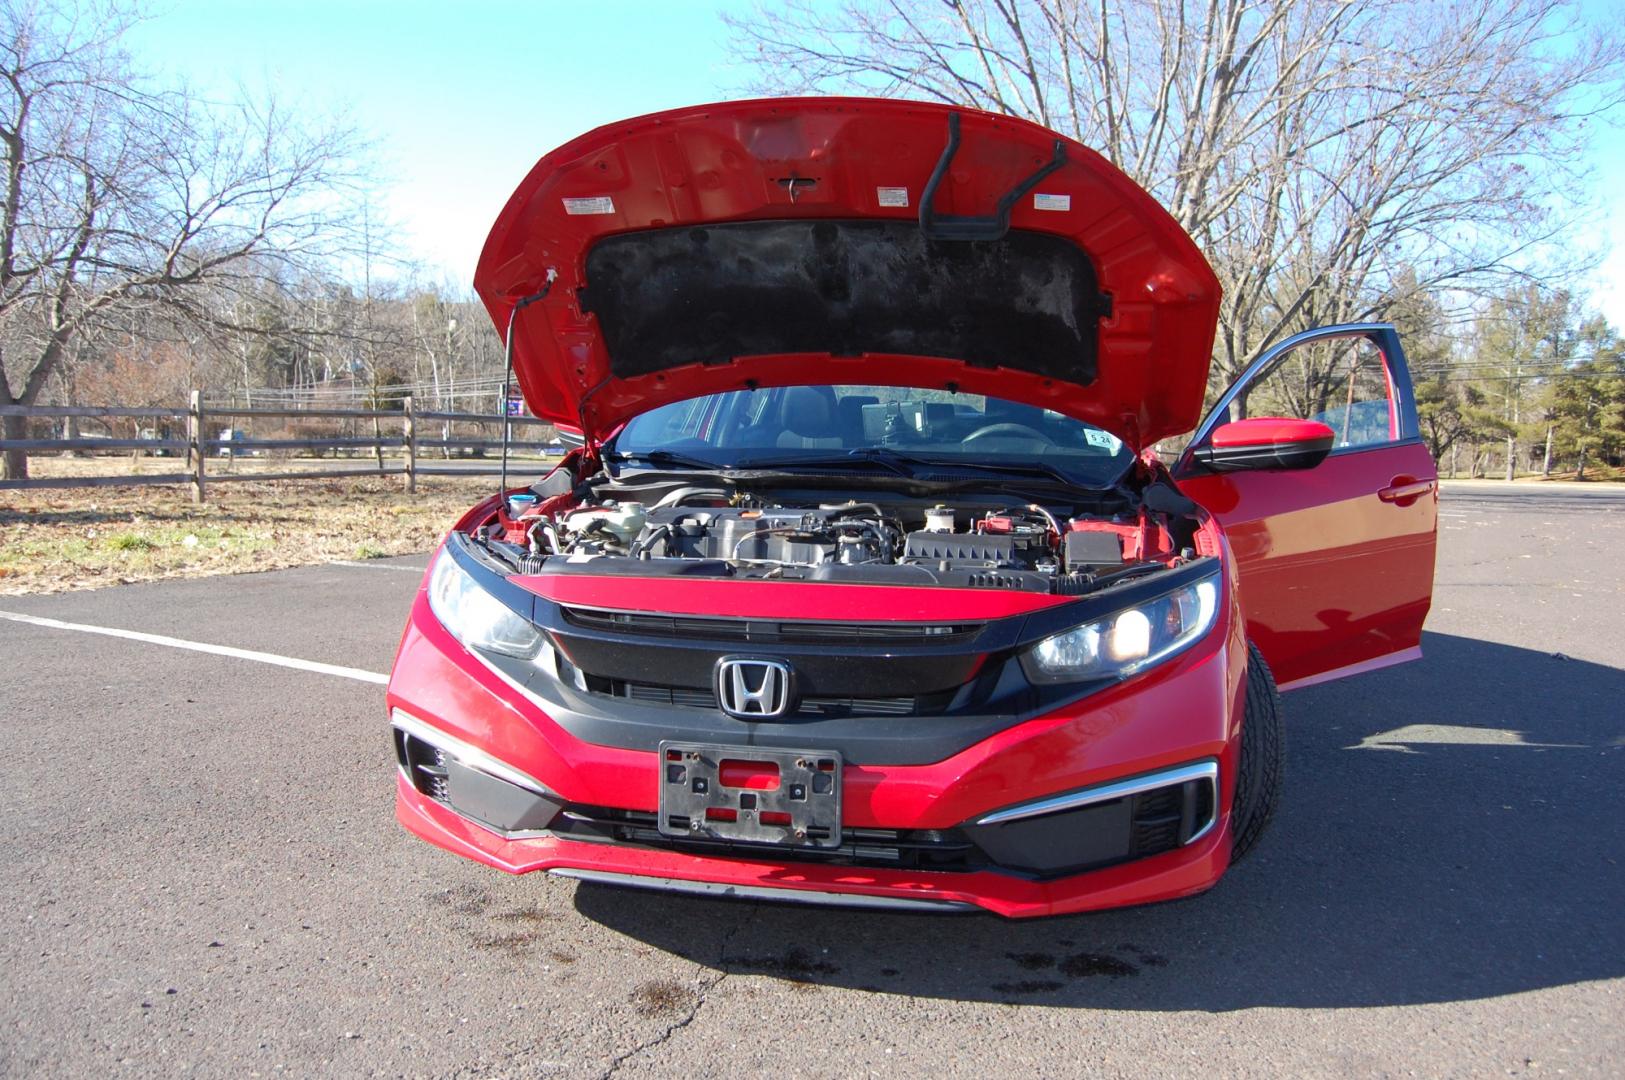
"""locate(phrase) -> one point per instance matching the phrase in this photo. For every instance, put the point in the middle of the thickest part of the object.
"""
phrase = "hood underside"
(783, 242)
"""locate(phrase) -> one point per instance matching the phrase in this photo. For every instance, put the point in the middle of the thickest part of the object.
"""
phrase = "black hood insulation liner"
(669, 297)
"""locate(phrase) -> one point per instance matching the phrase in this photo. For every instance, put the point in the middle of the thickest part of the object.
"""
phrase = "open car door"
(1335, 546)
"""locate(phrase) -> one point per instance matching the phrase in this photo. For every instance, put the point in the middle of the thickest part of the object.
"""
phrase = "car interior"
(822, 418)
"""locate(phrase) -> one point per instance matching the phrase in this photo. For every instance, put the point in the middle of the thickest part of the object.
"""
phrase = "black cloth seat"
(808, 414)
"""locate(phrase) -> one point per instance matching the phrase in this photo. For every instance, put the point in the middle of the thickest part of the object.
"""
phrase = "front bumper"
(1187, 710)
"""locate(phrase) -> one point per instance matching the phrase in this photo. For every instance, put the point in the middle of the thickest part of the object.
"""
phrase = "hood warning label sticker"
(891, 196)
(599, 204)
(1050, 202)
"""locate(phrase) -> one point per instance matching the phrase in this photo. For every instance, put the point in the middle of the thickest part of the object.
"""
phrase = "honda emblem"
(748, 687)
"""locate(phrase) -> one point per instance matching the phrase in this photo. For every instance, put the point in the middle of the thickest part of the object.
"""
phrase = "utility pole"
(1512, 420)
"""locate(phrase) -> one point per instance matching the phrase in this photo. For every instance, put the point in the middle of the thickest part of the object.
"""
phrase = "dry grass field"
(52, 540)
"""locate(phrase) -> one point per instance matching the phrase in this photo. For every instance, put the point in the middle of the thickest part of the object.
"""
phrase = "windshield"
(787, 425)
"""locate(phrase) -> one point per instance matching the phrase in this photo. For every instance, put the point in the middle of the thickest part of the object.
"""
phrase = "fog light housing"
(470, 782)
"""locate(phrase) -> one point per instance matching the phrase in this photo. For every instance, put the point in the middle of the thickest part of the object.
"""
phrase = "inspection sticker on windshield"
(891, 196)
(1051, 202)
(599, 204)
(1103, 439)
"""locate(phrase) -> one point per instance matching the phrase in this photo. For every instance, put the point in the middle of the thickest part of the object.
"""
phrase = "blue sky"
(462, 98)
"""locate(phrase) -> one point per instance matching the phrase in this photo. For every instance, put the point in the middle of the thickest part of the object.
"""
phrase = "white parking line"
(200, 646)
(377, 566)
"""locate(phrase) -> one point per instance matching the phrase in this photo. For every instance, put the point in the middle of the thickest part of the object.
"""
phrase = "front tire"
(1258, 774)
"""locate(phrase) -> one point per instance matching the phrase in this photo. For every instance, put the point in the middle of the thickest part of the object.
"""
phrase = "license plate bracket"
(747, 794)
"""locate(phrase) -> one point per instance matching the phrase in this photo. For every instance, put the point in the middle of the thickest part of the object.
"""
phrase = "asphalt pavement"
(202, 873)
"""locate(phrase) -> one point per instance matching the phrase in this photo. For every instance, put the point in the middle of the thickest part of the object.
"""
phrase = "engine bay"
(974, 542)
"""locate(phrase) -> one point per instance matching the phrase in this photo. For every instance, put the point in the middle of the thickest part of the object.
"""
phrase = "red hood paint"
(728, 163)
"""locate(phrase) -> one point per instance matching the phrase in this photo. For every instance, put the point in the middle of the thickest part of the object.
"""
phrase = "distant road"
(1605, 489)
(1550, 495)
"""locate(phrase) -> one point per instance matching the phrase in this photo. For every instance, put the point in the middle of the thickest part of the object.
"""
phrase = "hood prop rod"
(972, 227)
(507, 374)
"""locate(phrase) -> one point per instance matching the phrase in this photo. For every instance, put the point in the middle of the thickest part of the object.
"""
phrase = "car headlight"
(1129, 640)
(475, 617)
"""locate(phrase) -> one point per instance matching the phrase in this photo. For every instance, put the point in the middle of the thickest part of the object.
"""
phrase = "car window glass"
(1341, 382)
(784, 422)
(676, 422)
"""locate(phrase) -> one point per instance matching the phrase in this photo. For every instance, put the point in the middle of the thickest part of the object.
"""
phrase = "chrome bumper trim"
(1202, 770)
(763, 892)
(468, 755)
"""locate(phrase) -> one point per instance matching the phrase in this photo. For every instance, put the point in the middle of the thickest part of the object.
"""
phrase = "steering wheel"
(1020, 431)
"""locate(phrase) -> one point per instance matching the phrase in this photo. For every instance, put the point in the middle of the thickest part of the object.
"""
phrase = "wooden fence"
(198, 446)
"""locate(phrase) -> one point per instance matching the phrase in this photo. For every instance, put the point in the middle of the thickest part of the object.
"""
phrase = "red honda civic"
(865, 586)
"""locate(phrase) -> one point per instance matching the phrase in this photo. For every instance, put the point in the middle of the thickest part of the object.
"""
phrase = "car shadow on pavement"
(1450, 830)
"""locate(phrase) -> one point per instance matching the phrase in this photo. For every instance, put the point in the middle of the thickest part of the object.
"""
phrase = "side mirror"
(1266, 442)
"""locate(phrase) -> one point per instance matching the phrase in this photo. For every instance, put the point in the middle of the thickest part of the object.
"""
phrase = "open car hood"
(846, 241)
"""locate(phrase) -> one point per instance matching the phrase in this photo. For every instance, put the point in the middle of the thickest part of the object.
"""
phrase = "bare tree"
(119, 193)
(1324, 153)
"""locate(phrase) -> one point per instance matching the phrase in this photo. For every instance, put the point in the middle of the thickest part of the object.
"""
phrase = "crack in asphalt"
(701, 996)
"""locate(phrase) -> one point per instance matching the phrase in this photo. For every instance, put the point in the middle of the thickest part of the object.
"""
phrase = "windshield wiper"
(885, 459)
(906, 464)
(666, 459)
(882, 458)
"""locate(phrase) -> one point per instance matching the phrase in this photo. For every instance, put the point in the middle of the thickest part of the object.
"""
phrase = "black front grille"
(685, 697)
(1040, 848)
(648, 694)
(764, 631)
(866, 706)
(917, 849)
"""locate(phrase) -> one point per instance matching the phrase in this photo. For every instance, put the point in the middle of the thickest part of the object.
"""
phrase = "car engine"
(703, 534)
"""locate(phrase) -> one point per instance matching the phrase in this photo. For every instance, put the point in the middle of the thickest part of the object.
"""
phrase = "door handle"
(1404, 490)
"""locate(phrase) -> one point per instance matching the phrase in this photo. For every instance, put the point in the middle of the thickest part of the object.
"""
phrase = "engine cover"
(983, 549)
(805, 537)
